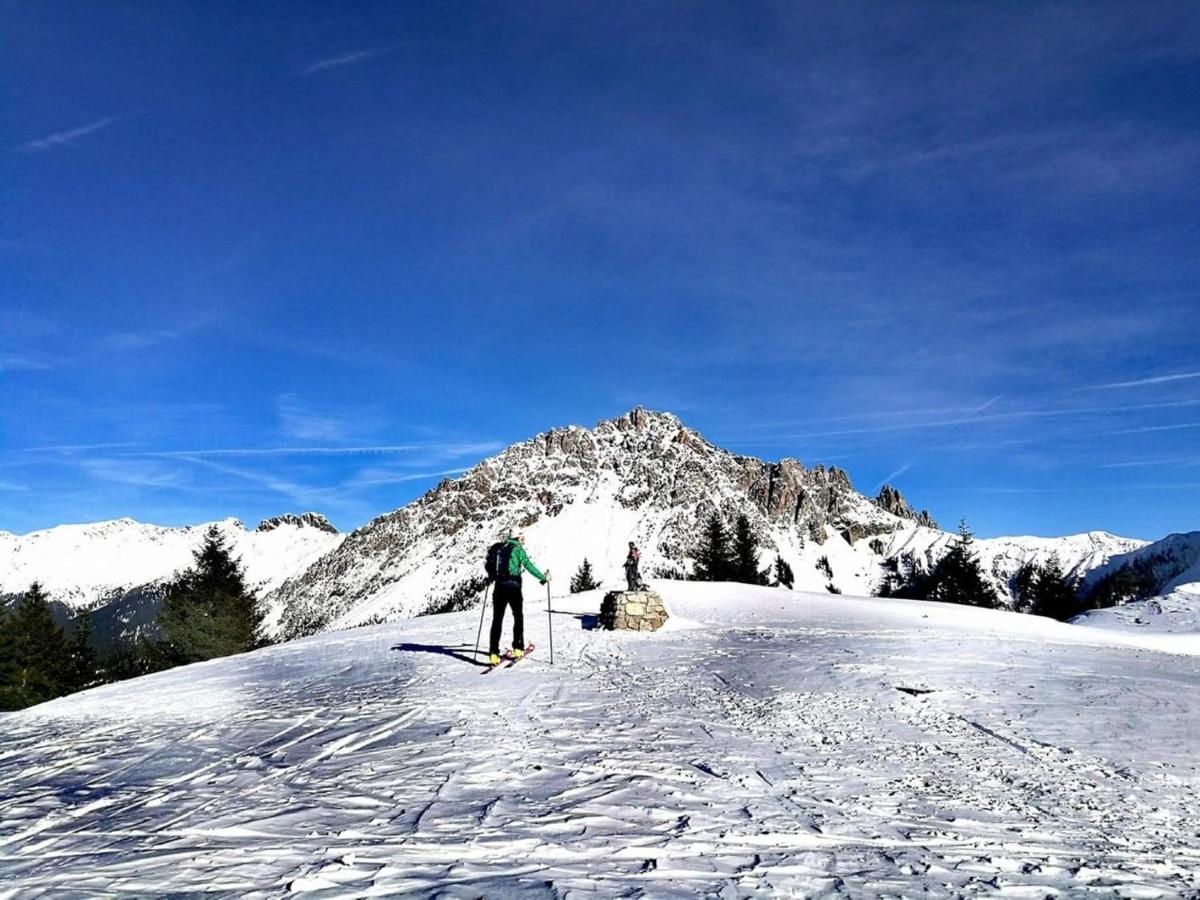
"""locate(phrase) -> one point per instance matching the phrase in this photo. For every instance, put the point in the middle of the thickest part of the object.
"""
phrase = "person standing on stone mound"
(505, 562)
(632, 577)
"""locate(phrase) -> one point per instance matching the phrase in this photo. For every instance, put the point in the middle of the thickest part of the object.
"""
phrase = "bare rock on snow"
(633, 611)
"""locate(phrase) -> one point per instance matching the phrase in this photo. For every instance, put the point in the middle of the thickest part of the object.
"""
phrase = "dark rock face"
(891, 500)
(308, 520)
(643, 463)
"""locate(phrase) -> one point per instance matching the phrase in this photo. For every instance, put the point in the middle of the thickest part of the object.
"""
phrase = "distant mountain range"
(576, 493)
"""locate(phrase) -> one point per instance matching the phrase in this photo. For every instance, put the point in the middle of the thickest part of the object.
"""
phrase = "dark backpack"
(498, 557)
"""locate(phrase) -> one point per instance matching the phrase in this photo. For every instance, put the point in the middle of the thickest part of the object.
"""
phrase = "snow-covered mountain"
(765, 743)
(119, 565)
(642, 477)
(1153, 588)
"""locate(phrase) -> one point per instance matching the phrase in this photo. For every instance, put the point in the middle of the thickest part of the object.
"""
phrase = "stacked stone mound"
(632, 610)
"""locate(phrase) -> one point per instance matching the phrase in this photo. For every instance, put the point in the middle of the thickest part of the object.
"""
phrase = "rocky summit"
(577, 492)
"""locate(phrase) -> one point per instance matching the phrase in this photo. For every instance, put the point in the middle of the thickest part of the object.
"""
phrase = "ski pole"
(482, 613)
(550, 621)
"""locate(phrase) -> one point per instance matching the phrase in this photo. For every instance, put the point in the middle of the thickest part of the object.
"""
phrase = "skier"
(632, 577)
(509, 560)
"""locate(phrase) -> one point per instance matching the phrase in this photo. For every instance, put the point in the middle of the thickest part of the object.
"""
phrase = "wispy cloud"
(346, 59)
(1095, 489)
(997, 417)
(1141, 382)
(139, 473)
(447, 450)
(1143, 463)
(68, 137)
(888, 479)
(76, 448)
(297, 493)
(126, 341)
(10, 362)
(1148, 429)
(301, 423)
(374, 477)
(10, 486)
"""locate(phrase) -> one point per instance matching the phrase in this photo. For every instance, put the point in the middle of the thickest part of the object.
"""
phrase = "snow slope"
(85, 565)
(1172, 567)
(764, 743)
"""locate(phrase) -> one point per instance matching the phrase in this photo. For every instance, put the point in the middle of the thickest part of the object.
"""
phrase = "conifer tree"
(958, 577)
(1052, 593)
(82, 669)
(208, 611)
(745, 553)
(714, 556)
(33, 660)
(783, 573)
(583, 580)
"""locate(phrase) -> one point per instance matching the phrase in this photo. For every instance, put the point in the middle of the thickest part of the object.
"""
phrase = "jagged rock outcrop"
(891, 500)
(304, 520)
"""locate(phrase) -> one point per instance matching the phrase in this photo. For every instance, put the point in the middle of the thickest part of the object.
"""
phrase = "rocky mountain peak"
(304, 520)
(891, 500)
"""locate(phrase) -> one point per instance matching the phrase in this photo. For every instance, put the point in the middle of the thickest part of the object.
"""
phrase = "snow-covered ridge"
(642, 477)
(84, 565)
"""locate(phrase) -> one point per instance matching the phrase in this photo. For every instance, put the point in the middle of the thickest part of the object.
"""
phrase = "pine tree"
(714, 557)
(583, 580)
(958, 577)
(34, 661)
(783, 573)
(207, 611)
(1053, 594)
(745, 553)
(82, 670)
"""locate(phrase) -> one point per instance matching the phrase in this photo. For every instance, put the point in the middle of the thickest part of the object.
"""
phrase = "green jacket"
(520, 560)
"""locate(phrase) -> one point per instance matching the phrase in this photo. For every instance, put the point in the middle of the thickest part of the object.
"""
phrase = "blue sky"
(266, 257)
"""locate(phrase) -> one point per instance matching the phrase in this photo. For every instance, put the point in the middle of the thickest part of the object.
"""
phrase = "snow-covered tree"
(583, 580)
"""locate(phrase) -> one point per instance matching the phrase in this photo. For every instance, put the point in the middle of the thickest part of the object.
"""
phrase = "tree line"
(1042, 589)
(207, 611)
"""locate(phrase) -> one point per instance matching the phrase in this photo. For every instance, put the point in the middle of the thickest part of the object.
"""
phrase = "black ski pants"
(507, 593)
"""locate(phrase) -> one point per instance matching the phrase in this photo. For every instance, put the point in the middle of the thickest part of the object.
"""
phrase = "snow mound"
(763, 743)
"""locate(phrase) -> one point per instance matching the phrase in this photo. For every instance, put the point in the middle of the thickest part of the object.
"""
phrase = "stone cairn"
(633, 610)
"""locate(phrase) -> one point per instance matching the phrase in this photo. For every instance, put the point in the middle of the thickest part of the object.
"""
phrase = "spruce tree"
(208, 611)
(583, 580)
(34, 661)
(1053, 594)
(745, 553)
(82, 669)
(783, 573)
(958, 577)
(714, 556)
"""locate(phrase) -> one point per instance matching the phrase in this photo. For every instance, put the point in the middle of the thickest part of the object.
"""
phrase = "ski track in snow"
(757, 746)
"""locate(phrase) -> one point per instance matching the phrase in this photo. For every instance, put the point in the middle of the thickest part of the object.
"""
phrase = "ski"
(505, 657)
(513, 662)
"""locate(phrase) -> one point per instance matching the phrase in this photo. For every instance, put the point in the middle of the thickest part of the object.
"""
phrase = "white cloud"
(68, 137)
(335, 62)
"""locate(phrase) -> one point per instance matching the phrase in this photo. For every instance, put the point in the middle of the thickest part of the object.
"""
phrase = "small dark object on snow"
(916, 692)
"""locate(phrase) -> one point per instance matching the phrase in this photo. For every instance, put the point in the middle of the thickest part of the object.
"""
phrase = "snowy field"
(765, 743)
